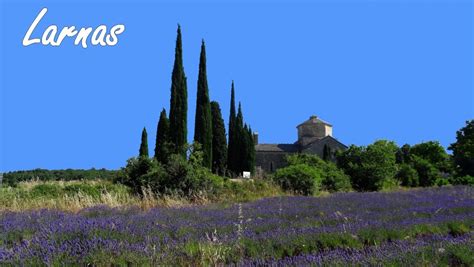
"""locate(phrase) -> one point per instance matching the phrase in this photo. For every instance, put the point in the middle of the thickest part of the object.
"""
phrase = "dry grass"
(25, 196)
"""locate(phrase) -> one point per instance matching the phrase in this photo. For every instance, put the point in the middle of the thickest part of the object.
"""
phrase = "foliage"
(299, 178)
(219, 142)
(143, 152)
(461, 180)
(203, 120)
(463, 150)
(427, 172)
(408, 176)
(162, 144)
(179, 176)
(178, 101)
(371, 168)
(13, 178)
(333, 178)
(434, 153)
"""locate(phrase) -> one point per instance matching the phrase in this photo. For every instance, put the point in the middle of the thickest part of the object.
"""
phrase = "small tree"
(371, 168)
(463, 150)
(144, 144)
(162, 145)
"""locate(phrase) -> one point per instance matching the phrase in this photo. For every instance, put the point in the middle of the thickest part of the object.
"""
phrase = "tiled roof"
(314, 119)
(291, 148)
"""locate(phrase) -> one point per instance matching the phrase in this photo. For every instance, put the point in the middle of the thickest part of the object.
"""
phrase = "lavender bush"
(345, 228)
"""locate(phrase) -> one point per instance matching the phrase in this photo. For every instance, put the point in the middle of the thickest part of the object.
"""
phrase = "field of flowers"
(418, 227)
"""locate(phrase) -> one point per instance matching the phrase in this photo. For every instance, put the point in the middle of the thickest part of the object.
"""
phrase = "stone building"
(313, 135)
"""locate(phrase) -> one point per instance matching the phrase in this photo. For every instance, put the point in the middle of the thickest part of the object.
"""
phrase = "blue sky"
(398, 70)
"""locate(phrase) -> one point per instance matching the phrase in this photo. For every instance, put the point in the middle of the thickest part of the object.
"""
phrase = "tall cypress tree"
(144, 144)
(231, 152)
(178, 101)
(162, 138)
(203, 121)
(250, 151)
(219, 143)
(239, 136)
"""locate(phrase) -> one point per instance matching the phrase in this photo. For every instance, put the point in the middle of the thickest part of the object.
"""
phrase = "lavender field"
(418, 227)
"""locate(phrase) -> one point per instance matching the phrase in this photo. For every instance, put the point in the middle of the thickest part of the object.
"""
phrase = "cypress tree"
(144, 144)
(203, 121)
(219, 143)
(250, 151)
(162, 138)
(239, 132)
(178, 101)
(231, 152)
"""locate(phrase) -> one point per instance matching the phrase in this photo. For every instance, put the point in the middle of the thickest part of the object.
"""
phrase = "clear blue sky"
(398, 70)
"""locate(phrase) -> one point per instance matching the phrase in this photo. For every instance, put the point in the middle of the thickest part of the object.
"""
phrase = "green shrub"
(46, 191)
(179, 176)
(300, 178)
(408, 176)
(332, 178)
(461, 180)
(83, 188)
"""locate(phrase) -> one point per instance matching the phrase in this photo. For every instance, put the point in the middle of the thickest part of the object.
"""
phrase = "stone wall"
(270, 161)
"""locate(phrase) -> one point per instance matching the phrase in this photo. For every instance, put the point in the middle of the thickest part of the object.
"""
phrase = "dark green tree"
(463, 150)
(239, 136)
(232, 149)
(403, 154)
(144, 144)
(250, 152)
(219, 142)
(162, 145)
(203, 121)
(178, 101)
(434, 153)
(371, 168)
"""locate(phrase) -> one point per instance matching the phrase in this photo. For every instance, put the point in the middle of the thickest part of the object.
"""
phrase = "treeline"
(179, 166)
(384, 165)
(12, 178)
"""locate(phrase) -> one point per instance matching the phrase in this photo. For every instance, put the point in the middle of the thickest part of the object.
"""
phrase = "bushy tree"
(178, 101)
(300, 178)
(162, 144)
(203, 120)
(463, 150)
(219, 142)
(143, 152)
(434, 153)
(427, 172)
(371, 168)
(407, 176)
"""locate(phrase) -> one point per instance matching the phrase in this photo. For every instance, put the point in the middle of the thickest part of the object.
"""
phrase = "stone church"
(313, 135)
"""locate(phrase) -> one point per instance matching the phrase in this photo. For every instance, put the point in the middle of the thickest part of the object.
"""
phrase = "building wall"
(310, 132)
(270, 161)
